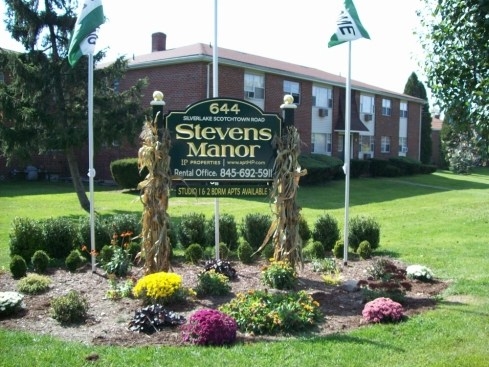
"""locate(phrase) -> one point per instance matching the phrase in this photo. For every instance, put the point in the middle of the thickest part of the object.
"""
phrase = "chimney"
(158, 42)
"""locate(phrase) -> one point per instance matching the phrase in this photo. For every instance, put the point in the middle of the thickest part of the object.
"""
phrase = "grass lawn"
(439, 220)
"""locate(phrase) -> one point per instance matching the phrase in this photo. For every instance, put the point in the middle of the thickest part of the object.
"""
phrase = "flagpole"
(215, 93)
(346, 166)
(91, 170)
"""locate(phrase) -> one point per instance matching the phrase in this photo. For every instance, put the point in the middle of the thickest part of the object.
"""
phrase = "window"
(385, 144)
(403, 110)
(386, 107)
(403, 145)
(366, 143)
(340, 143)
(321, 143)
(254, 86)
(293, 88)
(322, 97)
(366, 104)
(115, 85)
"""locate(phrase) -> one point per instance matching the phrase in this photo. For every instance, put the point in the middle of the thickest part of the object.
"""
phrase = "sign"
(223, 190)
(222, 139)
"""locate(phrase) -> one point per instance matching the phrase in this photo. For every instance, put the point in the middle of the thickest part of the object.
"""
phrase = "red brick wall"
(386, 126)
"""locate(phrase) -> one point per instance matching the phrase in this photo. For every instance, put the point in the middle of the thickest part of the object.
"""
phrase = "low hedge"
(125, 173)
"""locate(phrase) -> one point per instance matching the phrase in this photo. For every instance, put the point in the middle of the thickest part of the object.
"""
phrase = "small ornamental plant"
(18, 267)
(34, 284)
(10, 303)
(382, 310)
(209, 327)
(40, 261)
(260, 312)
(154, 318)
(212, 283)
(70, 308)
(279, 275)
(160, 288)
(419, 272)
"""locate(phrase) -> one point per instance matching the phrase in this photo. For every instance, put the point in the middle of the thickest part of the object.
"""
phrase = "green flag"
(85, 34)
(349, 27)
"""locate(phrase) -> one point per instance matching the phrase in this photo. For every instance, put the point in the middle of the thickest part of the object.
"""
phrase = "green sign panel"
(222, 139)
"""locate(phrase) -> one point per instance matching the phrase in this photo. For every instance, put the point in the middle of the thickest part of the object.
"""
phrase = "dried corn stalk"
(285, 227)
(155, 192)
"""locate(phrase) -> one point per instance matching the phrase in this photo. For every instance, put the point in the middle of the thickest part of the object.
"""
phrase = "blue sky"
(287, 30)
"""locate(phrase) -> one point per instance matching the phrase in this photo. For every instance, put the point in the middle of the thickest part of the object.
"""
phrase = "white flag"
(349, 27)
(85, 33)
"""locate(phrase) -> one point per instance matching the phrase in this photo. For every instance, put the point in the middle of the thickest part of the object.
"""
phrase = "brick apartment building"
(383, 123)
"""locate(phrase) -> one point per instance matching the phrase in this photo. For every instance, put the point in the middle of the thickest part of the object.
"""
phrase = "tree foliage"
(44, 103)
(416, 89)
(455, 40)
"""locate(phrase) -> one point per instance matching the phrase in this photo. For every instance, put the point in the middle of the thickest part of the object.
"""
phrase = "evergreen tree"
(44, 102)
(416, 89)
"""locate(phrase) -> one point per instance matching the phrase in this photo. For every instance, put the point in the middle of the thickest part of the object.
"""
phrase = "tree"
(416, 89)
(44, 106)
(455, 40)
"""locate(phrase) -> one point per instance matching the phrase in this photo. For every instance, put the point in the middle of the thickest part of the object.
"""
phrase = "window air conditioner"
(367, 117)
(323, 112)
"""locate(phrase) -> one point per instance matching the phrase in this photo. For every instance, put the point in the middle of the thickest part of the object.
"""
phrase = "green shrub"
(228, 231)
(34, 284)
(339, 249)
(254, 229)
(363, 228)
(304, 231)
(326, 265)
(391, 171)
(326, 231)
(120, 263)
(40, 261)
(224, 252)
(123, 223)
(194, 253)
(103, 235)
(126, 174)
(364, 250)
(377, 167)
(192, 229)
(262, 312)
(74, 260)
(10, 303)
(106, 254)
(58, 236)
(162, 287)
(119, 288)
(133, 249)
(279, 275)
(406, 165)
(70, 308)
(25, 237)
(320, 168)
(212, 283)
(313, 250)
(268, 251)
(18, 266)
(245, 252)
